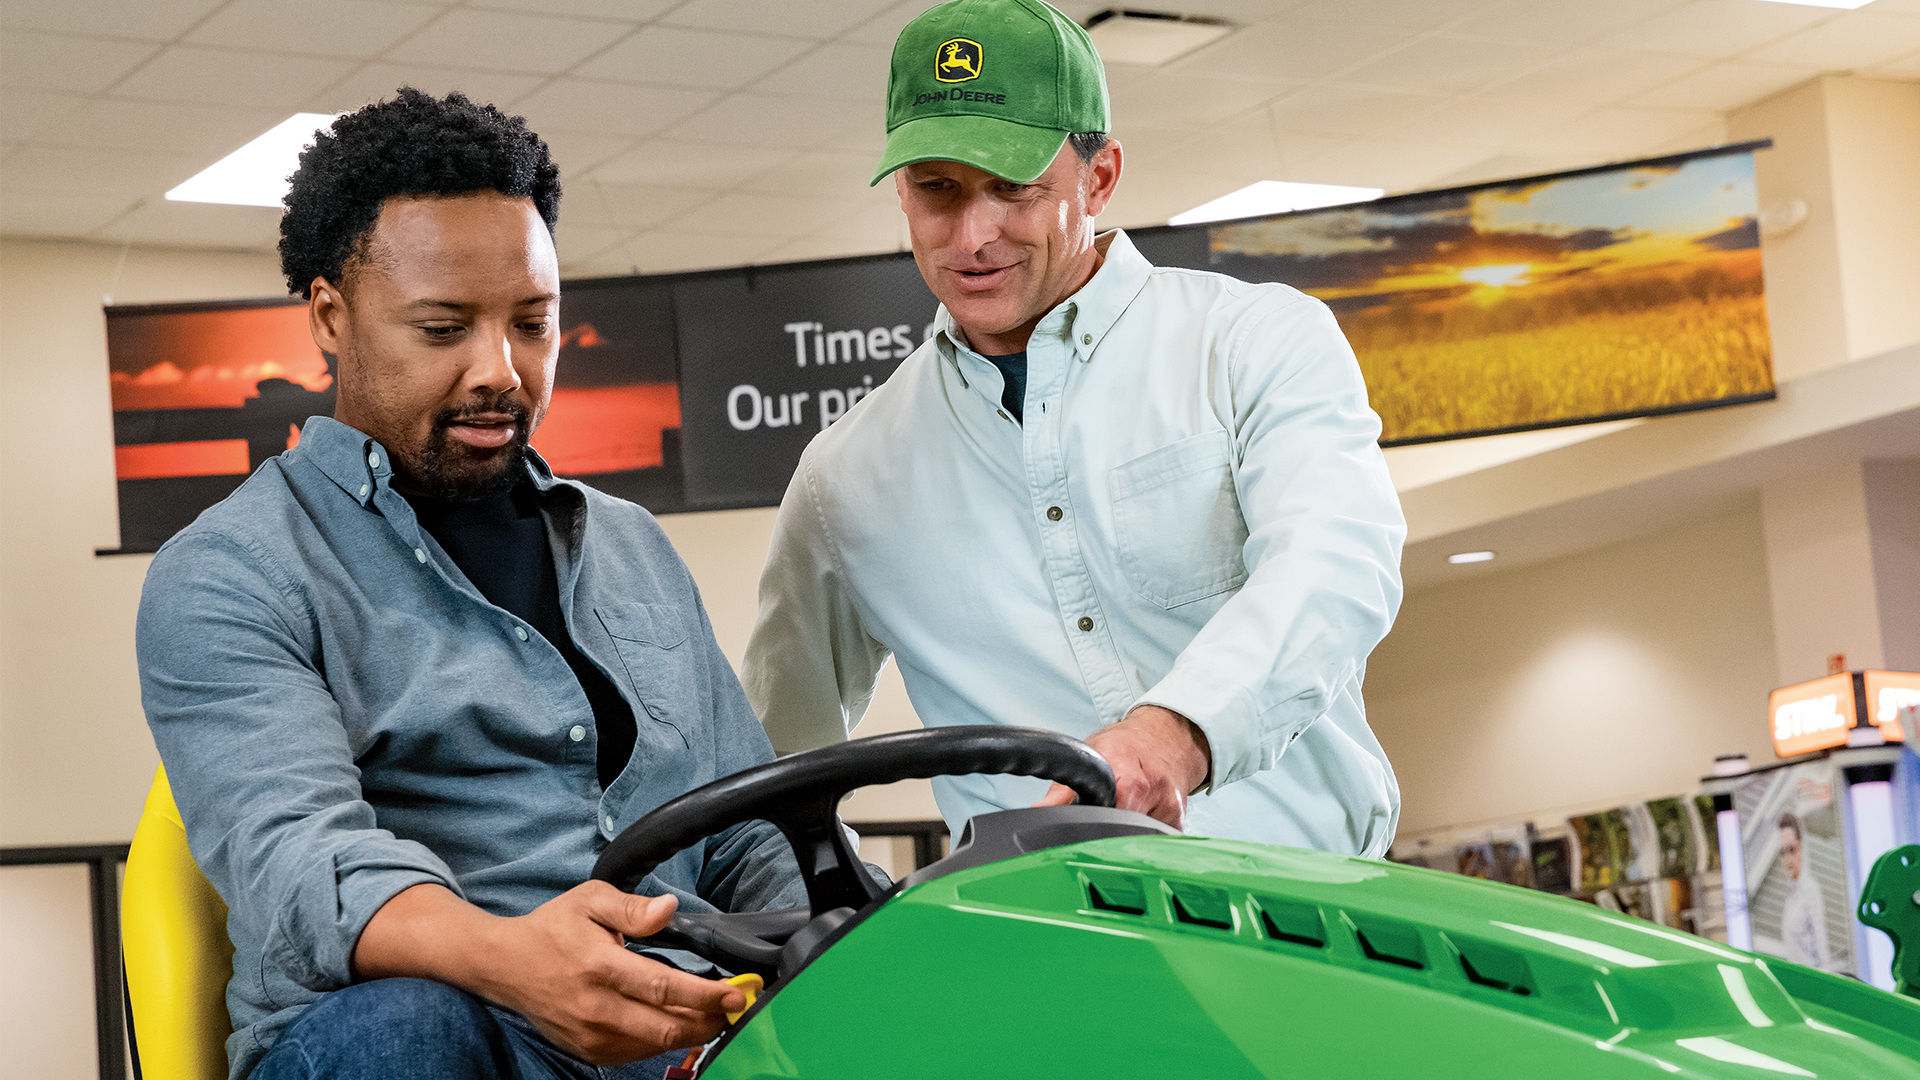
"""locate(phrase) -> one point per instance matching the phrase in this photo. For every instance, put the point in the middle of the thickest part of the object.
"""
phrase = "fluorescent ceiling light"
(1275, 197)
(256, 174)
(1848, 5)
(1470, 557)
(1151, 38)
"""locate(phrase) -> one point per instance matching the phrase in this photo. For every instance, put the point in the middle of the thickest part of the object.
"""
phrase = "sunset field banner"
(1628, 290)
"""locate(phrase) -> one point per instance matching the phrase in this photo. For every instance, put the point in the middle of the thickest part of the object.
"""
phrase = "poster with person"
(1792, 836)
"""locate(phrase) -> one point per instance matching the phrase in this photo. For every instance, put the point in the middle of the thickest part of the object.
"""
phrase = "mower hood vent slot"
(1118, 893)
(1389, 941)
(1493, 966)
(1200, 905)
(1291, 921)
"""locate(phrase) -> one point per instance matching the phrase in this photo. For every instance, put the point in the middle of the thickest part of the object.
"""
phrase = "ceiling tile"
(379, 82)
(780, 217)
(708, 166)
(1560, 23)
(122, 175)
(1397, 16)
(577, 153)
(799, 18)
(508, 41)
(611, 262)
(822, 172)
(198, 225)
(661, 251)
(575, 242)
(625, 10)
(1600, 75)
(147, 20)
(766, 120)
(1167, 98)
(1285, 52)
(674, 56)
(202, 76)
(1487, 121)
(193, 130)
(356, 29)
(1510, 167)
(628, 207)
(1341, 109)
(836, 71)
(1448, 65)
(884, 28)
(1617, 133)
(608, 107)
(1393, 164)
(59, 62)
(42, 213)
(1727, 85)
(1716, 28)
(25, 112)
(1857, 39)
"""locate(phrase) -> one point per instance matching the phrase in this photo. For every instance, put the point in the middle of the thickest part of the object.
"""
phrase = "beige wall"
(1583, 682)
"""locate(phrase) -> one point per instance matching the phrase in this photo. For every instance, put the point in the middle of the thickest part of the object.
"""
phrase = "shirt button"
(1086, 339)
(577, 732)
(420, 555)
(608, 821)
(1086, 623)
(1054, 513)
(1003, 414)
(520, 632)
(364, 488)
(373, 459)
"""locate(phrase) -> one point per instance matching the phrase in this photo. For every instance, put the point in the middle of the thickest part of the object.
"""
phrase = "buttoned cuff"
(1243, 739)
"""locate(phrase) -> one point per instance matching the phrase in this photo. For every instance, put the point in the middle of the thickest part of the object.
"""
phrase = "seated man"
(407, 685)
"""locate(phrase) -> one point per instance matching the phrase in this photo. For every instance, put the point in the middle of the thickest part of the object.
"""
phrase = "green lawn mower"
(1087, 941)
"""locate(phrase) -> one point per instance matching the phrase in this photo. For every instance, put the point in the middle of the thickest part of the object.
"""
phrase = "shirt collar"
(358, 463)
(1083, 318)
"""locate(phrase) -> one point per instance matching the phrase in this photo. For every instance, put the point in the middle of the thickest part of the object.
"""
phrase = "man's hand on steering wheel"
(562, 965)
(1159, 758)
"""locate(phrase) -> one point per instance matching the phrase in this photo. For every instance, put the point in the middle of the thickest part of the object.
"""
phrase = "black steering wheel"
(799, 794)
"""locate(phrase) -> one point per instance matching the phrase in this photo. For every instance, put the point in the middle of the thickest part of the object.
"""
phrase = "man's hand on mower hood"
(562, 965)
(1159, 758)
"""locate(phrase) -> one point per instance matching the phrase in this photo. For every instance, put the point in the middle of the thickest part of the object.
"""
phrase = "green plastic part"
(1179, 956)
(1890, 902)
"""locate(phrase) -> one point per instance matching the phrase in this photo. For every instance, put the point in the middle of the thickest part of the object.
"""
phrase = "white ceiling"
(697, 133)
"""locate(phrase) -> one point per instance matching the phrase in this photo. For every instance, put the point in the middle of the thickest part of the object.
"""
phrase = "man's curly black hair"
(415, 144)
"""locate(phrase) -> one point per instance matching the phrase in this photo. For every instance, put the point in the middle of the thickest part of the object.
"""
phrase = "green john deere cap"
(996, 84)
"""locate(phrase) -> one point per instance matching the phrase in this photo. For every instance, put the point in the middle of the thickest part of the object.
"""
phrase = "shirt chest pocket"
(651, 641)
(1177, 520)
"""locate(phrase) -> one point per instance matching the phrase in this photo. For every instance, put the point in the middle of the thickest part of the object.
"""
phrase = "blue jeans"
(415, 1029)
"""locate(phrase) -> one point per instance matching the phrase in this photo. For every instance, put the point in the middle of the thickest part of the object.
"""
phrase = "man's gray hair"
(1086, 144)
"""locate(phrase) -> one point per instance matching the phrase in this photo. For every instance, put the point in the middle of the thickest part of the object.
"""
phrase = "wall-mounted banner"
(1625, 290)
(769, 358)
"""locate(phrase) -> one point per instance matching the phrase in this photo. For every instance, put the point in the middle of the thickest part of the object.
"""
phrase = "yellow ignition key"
(750, 985)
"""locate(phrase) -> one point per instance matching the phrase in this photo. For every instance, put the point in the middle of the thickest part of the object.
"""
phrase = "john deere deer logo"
(957, 61)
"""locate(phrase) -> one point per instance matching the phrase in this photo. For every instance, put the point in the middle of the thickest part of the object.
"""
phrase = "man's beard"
(444, 469)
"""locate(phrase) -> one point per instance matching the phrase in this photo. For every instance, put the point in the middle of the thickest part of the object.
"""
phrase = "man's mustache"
(498, 407)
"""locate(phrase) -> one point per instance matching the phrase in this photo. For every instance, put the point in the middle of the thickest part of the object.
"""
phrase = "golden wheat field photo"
(1623, 292)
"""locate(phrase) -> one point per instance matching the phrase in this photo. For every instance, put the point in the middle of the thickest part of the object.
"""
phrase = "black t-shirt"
(500, 543)
(1013, 367)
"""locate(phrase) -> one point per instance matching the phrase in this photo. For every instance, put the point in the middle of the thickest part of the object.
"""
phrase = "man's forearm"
(427, 932)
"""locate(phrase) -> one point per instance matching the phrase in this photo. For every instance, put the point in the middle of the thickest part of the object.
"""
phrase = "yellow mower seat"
(174, 938)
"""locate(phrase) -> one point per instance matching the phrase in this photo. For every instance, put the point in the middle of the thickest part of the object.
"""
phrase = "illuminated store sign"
(1824, 713)
(1887, 692)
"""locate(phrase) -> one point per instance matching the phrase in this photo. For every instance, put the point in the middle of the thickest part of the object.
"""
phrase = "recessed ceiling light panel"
(256, 174)
(1151, 38)
(1275, 197)
(1461, 557)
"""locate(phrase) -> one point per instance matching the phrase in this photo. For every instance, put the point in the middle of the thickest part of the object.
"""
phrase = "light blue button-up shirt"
(343, 716)
(1195, 514)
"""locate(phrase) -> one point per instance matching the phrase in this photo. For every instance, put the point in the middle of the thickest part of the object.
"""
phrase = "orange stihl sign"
(1812, 716)
(1888, 692)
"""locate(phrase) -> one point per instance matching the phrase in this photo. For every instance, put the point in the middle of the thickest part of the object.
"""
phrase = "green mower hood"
(1178, 956)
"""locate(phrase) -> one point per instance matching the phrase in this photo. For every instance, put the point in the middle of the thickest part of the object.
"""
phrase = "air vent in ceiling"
(1151, 38)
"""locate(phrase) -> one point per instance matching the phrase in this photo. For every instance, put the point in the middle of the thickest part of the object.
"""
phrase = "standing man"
(1142, 506)
(1803, 918)
(407, 685)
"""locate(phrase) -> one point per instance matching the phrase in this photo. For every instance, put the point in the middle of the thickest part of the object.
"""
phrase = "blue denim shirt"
(343, 716)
